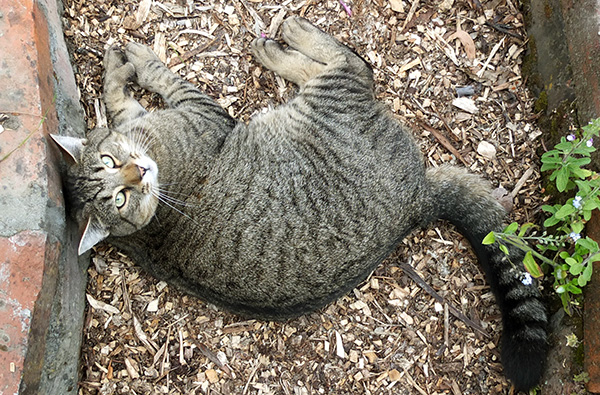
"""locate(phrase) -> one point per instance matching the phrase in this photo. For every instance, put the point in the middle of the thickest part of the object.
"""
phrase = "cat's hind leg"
(120, 105)
(311, 41)
(311, 52)
(287, 62)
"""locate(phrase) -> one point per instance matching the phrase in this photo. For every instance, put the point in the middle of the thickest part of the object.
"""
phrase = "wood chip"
(131, 368)
(397, 5)
(466, 104)
(212, 376)
(486, 150)
(466, 41)
(100, 305)
(394, 375)
(339, 346)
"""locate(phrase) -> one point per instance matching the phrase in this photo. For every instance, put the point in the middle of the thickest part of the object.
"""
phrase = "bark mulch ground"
(449, 69)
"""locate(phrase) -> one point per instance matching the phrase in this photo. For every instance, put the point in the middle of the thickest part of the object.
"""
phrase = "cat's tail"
(465, 200)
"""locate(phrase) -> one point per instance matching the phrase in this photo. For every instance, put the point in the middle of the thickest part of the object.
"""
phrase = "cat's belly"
(295, 223)
(274, 257)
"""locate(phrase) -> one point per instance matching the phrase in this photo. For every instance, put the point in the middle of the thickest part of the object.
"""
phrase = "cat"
(283, 215)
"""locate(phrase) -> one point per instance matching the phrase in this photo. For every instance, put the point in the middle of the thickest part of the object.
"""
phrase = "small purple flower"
(574, 236)
(570, 137)
(577, 202)
(590, 142)
(527, 279)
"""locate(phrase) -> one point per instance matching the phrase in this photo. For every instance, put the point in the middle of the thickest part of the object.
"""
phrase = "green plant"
(563, 250)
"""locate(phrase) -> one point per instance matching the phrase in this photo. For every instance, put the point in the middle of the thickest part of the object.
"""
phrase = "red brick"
(20, 285)
(28, 258)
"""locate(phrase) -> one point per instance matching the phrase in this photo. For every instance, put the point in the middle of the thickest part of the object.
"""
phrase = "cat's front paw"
(114, 58)
(267, 52)
(144, 60)
(116, 66)
(140, 55)
(311, 41)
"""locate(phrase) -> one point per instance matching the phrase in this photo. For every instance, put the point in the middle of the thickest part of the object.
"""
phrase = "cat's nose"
(142, 171)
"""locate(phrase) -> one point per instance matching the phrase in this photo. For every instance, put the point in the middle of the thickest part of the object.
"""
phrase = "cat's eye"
(120, 199)
(108, 161)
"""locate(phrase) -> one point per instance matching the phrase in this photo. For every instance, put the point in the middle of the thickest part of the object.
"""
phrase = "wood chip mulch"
(451, 70)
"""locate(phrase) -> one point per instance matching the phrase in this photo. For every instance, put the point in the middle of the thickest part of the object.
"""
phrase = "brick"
(42, 282)
(20, 285)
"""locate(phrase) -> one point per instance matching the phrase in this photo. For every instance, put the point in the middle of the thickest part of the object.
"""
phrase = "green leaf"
(550, 209)
(512, 228)
(551, 221)
(590, 204)
(584, 187)
(587, 273)
(551, 157)
(570, 261)
(531, 266)
(504, 249)
(576, 268)
(564, 146)
(581, 281)
(548, 166)
(577, 227)
(593, 258)
(588, 244)
(583, 150)
(573, 288)
(525, 228)
(562, 179)
(489, 239)
(581, 173)
(579, 162)
(565, 298)
(565, 210)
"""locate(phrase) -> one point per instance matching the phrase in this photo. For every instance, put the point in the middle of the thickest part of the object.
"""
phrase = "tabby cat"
(280, 216)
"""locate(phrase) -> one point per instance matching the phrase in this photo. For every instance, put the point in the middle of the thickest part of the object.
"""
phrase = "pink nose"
(142, 170)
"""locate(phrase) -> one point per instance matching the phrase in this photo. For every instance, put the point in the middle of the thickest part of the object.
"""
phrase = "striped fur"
(467, 204)
(287, 213)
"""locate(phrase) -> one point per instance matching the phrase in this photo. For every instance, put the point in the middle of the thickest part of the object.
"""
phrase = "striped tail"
(465, 200)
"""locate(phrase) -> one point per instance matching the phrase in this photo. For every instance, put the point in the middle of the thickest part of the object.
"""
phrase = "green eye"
(108, 161)
(120, 199)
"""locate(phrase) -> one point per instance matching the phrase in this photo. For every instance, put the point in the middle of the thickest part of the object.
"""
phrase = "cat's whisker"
(162, 200)
(175, 201)
(146, 141)
(165, 195)
(141, 139)
(166, 191)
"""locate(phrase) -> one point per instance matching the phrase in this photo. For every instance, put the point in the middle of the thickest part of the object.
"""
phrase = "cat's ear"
(72, 146)
(93, 234)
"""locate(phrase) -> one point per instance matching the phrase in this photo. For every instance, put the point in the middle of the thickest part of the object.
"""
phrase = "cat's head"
(111, 184)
